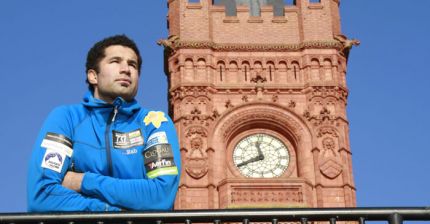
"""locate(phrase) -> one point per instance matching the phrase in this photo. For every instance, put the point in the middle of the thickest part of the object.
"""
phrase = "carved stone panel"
(330, 164)
(197, 160)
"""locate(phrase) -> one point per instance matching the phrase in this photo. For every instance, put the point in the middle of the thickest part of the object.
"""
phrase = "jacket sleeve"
(156, 192)
(48, 165)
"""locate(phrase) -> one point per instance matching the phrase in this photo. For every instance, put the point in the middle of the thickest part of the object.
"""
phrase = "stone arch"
(246, 71)
(315, 70)
(328, 70)
(232, 72)
(189, 70)
(268, 116)
(220, 68)
(201, 73)
(295, 72)
(282, 72)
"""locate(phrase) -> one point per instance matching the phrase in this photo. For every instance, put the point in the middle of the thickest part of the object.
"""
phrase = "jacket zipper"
(111, 119)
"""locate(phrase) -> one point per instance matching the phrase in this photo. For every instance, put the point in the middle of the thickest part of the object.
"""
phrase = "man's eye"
(133, 65)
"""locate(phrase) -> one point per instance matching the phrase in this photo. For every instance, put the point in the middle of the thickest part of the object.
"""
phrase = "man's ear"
(92, 77)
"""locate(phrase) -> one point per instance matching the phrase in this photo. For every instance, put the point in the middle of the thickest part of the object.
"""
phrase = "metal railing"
(274, 216)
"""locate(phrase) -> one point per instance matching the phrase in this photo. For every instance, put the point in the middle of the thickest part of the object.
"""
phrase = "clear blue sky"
(43, 45)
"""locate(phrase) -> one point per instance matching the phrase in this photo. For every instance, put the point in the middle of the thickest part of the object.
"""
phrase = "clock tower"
(258, 94)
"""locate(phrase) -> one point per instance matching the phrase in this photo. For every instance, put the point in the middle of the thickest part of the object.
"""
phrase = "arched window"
(189, 70)
(282, 75)
(201, 70)
(295, 71)
(328, 73)
(271, 70)
(315, 70)
(246, 70)
(221, 70)
(232, 72)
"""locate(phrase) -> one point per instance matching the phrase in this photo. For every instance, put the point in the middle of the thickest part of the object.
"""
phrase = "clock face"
(261, 156)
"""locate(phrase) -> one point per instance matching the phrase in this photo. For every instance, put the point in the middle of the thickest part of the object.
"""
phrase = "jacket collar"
(123, 106)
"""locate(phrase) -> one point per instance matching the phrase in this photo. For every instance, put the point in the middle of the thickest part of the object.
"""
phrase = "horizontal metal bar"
(233, 215)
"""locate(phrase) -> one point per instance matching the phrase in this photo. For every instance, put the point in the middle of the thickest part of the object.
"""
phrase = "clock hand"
(260, 153)
(255, 159)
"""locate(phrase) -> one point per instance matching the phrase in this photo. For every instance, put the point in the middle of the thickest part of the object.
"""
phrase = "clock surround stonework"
(231, 76)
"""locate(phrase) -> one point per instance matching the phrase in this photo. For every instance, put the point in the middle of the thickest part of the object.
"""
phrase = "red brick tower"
(258, 94)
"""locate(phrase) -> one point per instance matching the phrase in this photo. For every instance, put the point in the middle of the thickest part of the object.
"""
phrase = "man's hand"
(73, 181)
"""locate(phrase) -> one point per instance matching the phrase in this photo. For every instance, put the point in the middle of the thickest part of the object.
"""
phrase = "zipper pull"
(115, 111)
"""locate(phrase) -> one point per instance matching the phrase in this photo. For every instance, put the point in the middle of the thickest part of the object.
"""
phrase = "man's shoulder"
(72, 111)
(153, 118)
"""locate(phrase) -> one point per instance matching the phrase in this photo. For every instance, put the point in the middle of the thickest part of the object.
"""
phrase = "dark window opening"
(246, 71)
(270, 73)
(295, 72)
(220, 73)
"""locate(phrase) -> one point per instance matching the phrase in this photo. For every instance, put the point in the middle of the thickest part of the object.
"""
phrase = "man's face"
(118, 75)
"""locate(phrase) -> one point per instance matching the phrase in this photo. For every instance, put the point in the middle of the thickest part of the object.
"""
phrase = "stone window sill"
(315, 6)
(231, 19)
(279, 20)
(255, 20)
(194, 6)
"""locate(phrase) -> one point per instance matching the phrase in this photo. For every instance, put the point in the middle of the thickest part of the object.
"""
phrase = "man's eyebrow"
(132, 61)
(115, 57)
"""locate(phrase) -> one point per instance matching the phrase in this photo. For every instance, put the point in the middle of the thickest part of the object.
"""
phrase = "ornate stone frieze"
(193, 91)
(328, 44)
(248, 196)
(196, 130)
(327, 91)
(324, 117)
(327, 130)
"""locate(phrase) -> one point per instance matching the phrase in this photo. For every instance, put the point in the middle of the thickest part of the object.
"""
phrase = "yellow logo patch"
(155, 117)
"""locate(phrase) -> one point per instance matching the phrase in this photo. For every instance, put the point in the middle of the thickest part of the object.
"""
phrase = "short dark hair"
(97, 52)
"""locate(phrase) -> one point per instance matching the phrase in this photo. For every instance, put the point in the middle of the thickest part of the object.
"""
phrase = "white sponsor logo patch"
(157, 138)
(56, 146)
(53, 160)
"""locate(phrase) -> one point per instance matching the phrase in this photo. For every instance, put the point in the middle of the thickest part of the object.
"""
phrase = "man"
(107, 153)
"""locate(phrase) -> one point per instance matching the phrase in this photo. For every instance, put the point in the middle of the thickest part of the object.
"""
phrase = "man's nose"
(125, 68)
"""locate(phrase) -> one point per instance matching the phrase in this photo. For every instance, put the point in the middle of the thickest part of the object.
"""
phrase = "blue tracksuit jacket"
(130, 157)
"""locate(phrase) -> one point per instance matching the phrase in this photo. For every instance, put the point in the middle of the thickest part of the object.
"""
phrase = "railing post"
(396, 218)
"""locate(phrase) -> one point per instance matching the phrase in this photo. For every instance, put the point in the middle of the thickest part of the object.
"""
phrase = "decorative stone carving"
(228, 104)
(330, 164)
(194, 91)
(169, 43)
(196, 130)
(324, 117)
(215, 114)
(275, 98)
(327, 91)
(248, 196)
(258, 78)
(327, 131)
(196, 161)
(347, 44)
(245, 98)
(292, 104)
